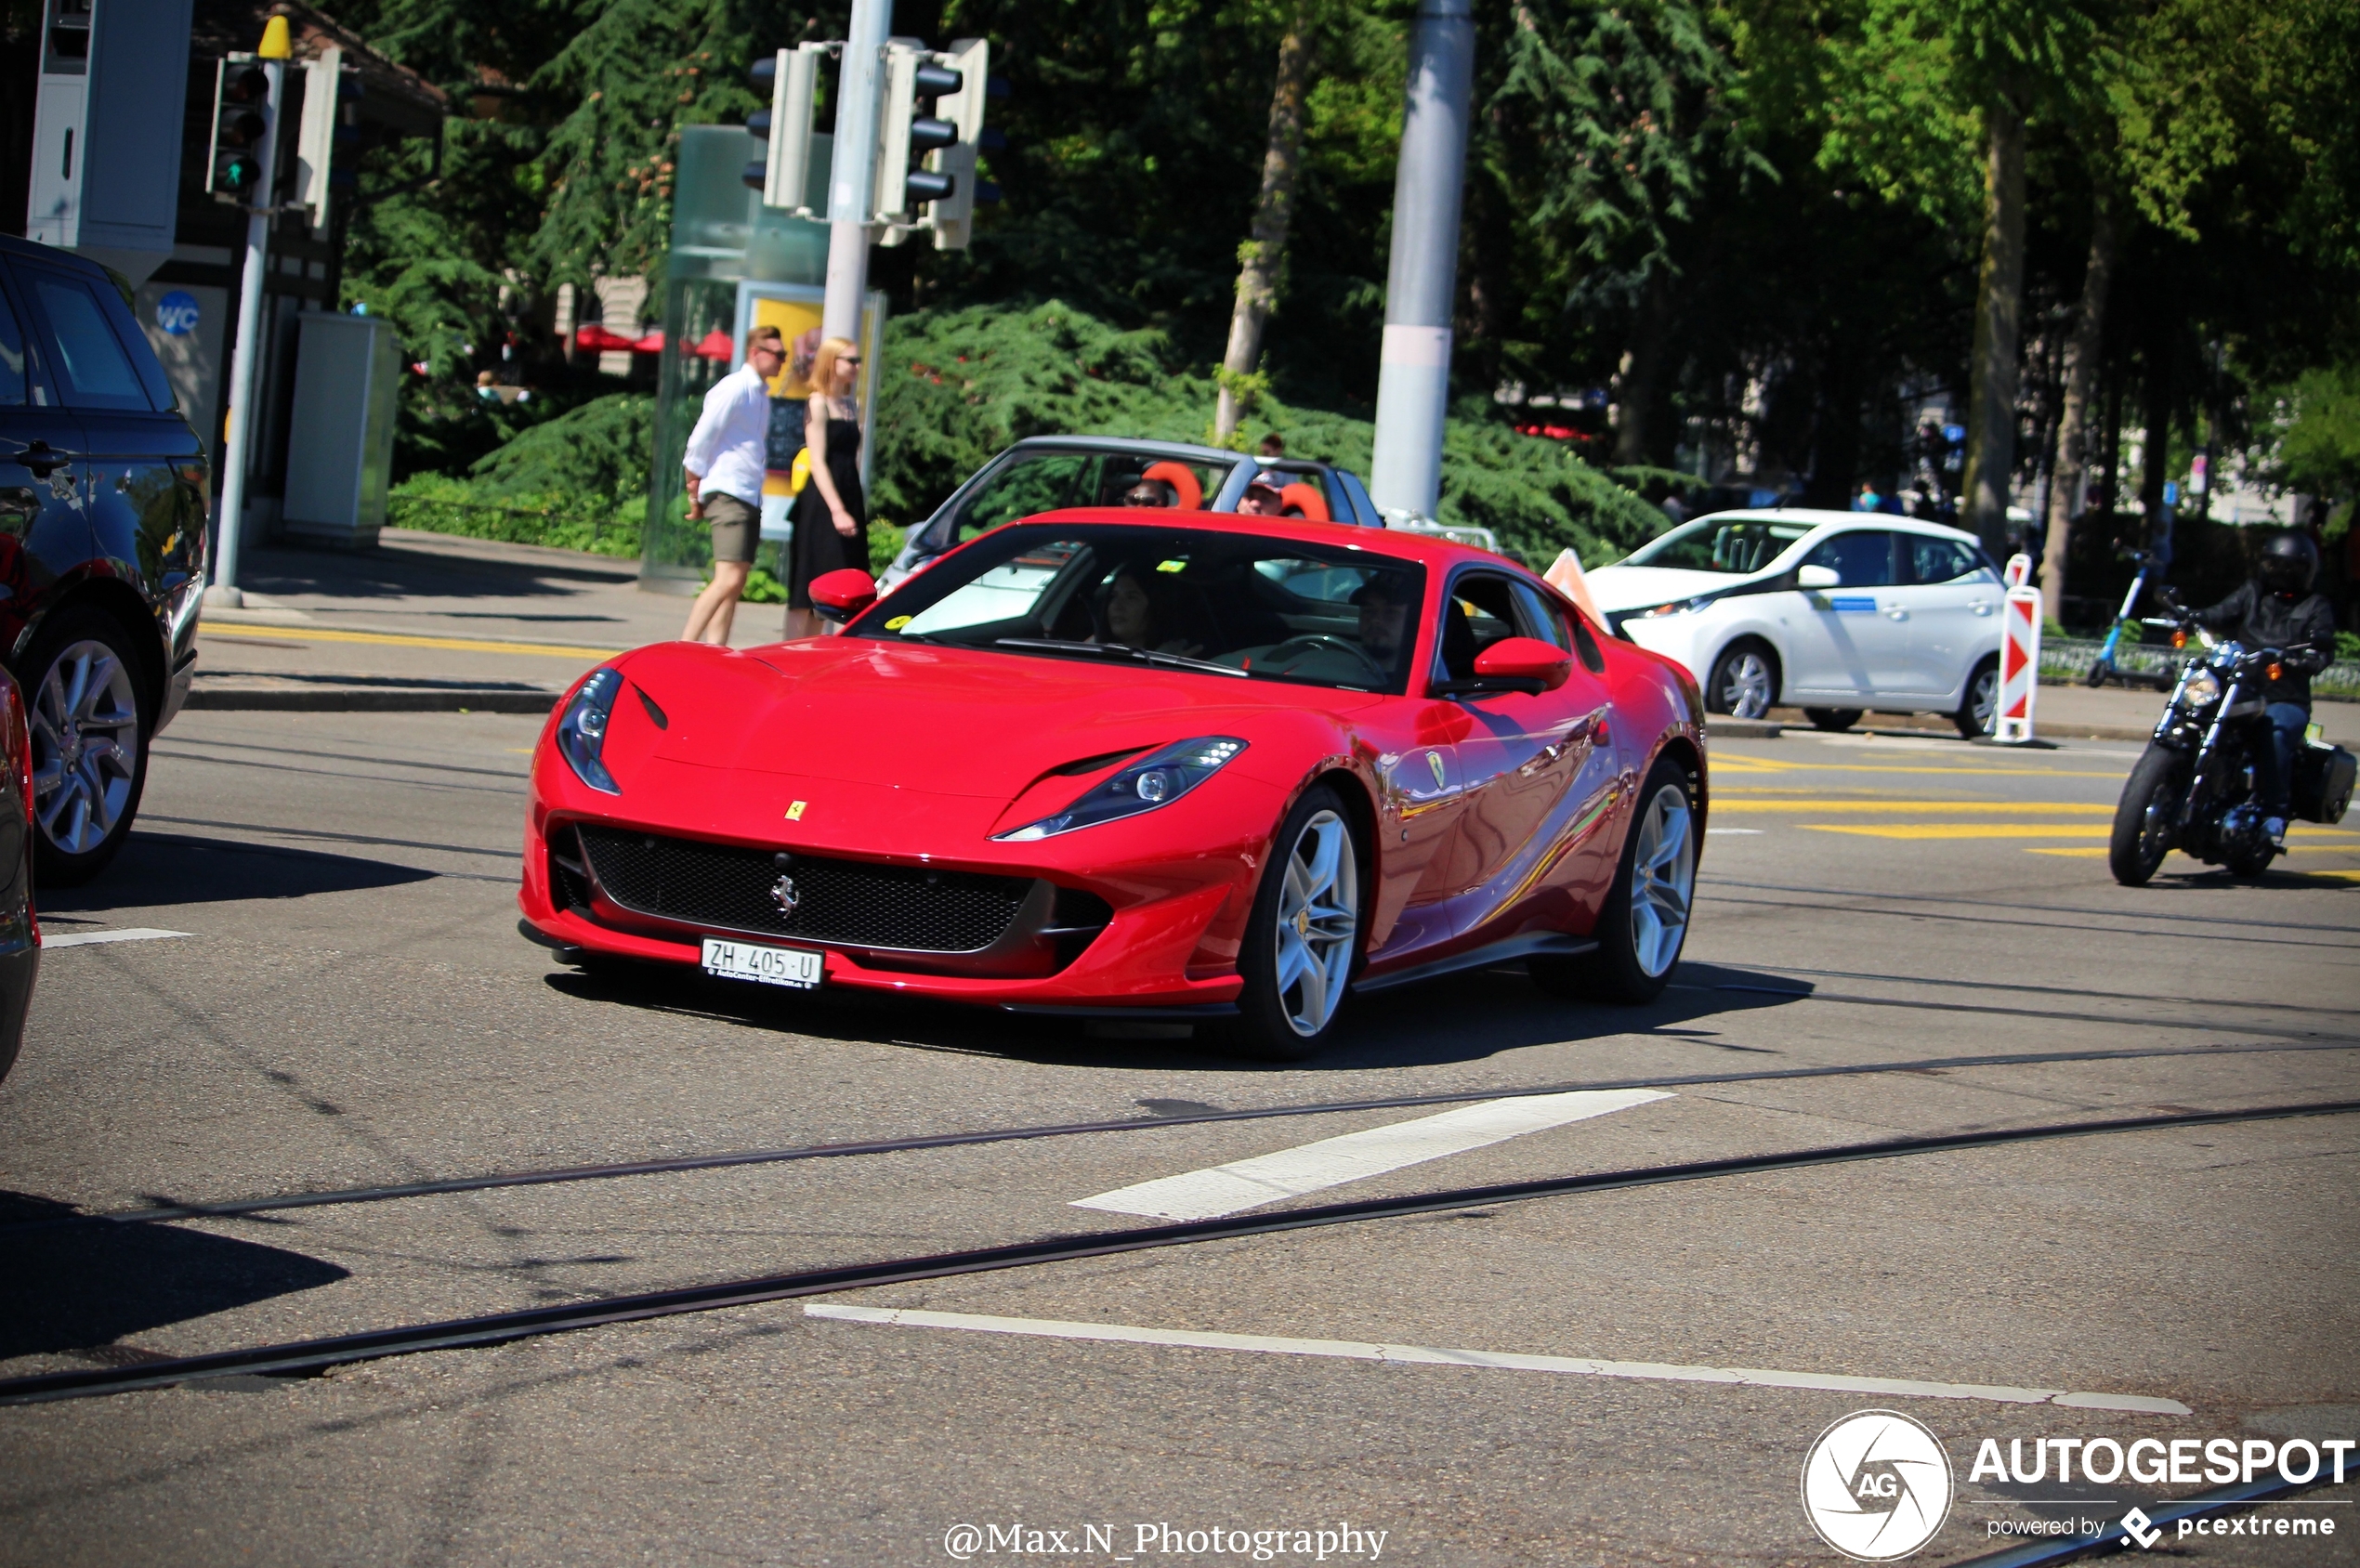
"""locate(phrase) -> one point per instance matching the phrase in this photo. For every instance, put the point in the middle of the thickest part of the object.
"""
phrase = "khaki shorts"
(736, 527)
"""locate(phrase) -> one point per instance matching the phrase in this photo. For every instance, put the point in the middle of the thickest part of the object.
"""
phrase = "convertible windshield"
(1739, 546)
(1221, 603)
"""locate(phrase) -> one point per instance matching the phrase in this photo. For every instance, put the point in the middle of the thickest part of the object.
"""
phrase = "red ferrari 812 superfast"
(1186, 767)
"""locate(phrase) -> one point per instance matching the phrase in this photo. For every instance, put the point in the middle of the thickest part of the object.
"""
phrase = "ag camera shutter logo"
(1877, 1485)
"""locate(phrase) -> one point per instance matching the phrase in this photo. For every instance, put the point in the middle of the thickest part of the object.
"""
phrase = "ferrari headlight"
(1154, 780)
(582, 734)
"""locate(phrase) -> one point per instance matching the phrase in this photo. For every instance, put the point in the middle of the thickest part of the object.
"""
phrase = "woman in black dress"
(832, 514)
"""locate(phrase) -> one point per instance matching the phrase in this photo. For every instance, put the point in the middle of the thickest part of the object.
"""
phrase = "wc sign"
(177, 313)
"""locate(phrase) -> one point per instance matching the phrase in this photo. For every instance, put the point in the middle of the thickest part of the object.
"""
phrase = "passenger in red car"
(1385, 616)
(1131, 617)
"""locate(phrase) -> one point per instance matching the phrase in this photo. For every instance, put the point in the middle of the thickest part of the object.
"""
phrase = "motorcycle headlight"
(582, 734)
(1154, 780)
(2202, 688)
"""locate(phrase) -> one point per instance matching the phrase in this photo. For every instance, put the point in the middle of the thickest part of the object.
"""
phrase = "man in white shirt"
(726, 457)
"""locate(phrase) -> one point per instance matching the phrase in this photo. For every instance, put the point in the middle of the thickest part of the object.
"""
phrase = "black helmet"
(2289, 563)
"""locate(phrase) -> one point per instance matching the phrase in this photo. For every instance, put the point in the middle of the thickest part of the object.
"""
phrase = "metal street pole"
(1413, 381)
(225, 594)
(852, 174)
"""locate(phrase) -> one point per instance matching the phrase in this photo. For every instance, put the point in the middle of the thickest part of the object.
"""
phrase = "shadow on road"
(161, 870)
(1463, 1017)
(80, 1287)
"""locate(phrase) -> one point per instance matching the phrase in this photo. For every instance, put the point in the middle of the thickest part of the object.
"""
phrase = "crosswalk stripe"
(2032, 808)
(1331, 1162)
(1963, 830)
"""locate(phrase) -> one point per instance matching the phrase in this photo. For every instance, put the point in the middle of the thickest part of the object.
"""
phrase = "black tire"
(1744, 676)
(1979, 710)
(1268, 1027)
(83, 690)
(1617, 971)
(2145, 820)
(2096, 676)
(1832, 719)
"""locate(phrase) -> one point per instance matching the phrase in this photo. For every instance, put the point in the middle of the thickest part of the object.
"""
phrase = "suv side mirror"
(839, 596)
(1808, 578)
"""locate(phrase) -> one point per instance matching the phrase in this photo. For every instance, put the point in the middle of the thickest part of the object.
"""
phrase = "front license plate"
(771, 966)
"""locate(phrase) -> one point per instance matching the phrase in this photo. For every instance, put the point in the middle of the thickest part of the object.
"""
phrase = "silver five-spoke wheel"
(1745, 686)
(85, 746)
(1319, 918)
(1663, 879)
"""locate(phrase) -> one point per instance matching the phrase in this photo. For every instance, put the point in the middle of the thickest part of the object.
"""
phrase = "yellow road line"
(2081, 808)
(1964, 831)
(459, 645)
(1726, 764)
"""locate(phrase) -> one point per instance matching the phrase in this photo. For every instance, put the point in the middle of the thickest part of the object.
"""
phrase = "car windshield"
(1738, 546)
(1046, 480)
(1226, 604)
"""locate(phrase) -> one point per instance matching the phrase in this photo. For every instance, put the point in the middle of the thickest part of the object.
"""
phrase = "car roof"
(11, 245)
(1813, 517)
(1425, 549)
(1131, 444)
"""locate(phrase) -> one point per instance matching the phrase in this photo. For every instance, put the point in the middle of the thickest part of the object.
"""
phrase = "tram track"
(314, 1355)
(566, 1175)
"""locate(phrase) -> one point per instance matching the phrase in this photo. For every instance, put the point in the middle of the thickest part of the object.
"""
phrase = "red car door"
(1521, 755)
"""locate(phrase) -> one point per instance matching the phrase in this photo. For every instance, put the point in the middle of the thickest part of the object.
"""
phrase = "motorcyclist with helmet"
(2277, 609)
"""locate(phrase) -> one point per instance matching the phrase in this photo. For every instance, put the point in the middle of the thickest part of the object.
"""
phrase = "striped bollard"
(2019, 662)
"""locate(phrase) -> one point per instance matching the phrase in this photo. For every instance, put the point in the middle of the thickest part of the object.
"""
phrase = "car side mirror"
(1524, 664)
(839, 596)
(1808, 578)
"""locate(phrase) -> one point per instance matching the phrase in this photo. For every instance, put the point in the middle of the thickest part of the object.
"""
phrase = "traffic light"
(929, 159)
(327, 141)
(240, 120)
(792, 76)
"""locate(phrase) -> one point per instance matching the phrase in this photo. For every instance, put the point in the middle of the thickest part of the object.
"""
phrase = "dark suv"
(103, 494)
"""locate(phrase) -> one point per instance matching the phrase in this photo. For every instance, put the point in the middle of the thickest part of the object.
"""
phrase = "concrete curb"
(373, 699)
(1721, 727)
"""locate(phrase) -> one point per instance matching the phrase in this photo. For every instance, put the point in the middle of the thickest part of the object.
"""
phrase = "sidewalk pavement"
(433, 621)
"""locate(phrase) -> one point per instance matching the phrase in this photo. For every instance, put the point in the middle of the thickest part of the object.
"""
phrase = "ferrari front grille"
(811, 896)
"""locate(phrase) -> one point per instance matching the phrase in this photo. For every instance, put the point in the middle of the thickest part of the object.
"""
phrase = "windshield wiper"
(1120, 651)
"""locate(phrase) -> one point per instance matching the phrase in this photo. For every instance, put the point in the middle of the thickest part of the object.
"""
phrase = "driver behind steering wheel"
(2277, 609)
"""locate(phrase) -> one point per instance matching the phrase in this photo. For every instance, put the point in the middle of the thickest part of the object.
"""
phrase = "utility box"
(340, 446)
(105, 136)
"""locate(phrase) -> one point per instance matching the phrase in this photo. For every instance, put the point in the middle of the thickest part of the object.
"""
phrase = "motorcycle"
(2194, 788)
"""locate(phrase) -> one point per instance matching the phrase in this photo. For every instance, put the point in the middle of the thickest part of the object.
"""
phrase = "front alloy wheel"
(1742, 685)
(1305, 935)
(88, 749)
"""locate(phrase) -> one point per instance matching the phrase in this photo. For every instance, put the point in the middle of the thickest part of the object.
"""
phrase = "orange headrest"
(1314, 504)
(1182, 480)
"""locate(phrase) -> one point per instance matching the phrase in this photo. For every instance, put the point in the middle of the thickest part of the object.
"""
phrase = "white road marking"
(1248, 1184)
(91, 938)
(1747, 833)
(1573, 1366)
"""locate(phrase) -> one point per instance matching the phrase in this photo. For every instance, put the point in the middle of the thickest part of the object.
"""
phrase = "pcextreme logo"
(1877, 1485)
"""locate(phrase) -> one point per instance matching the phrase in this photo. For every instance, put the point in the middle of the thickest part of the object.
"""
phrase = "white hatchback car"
(1838, 612)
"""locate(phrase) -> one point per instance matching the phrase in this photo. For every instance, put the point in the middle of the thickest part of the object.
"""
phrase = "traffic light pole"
(225, 594)
(1413, 380)
(852, 177)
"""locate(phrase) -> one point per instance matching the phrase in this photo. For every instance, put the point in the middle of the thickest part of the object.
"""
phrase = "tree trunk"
(1999, 325)
(2069, 483)
(1635, 397)
(1259, 257)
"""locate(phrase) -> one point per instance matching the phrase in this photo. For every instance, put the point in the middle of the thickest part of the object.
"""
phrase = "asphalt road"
(347, 1005)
